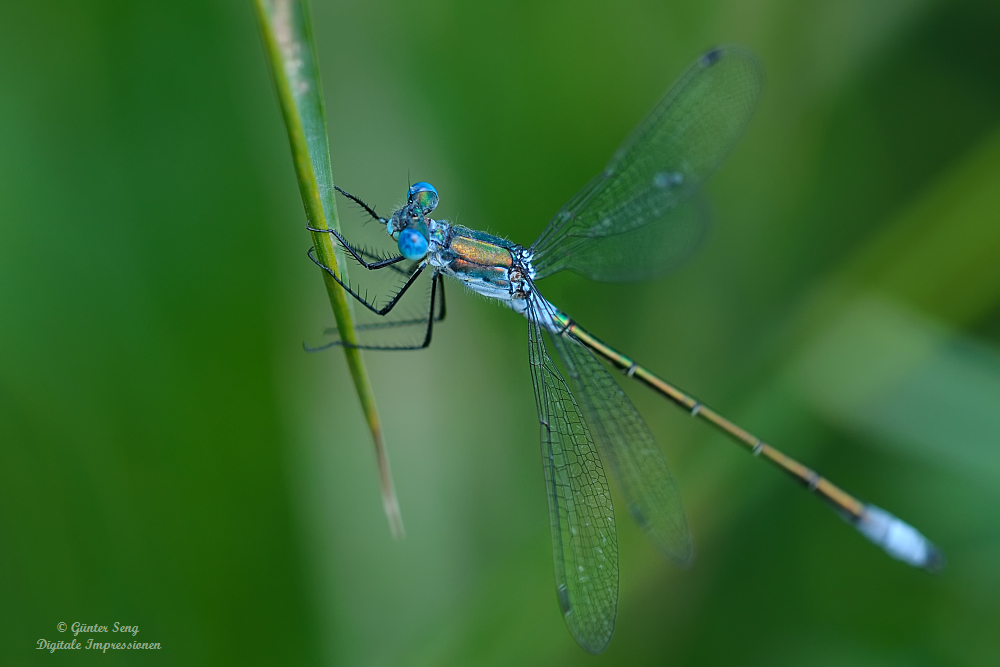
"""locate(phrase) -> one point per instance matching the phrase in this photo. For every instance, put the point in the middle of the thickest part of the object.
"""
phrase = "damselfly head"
(409, 224)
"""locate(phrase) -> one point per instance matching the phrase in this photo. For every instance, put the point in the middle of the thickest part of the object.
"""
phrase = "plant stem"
(286, 28)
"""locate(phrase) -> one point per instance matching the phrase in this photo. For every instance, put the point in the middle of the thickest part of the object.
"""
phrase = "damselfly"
(637, 218)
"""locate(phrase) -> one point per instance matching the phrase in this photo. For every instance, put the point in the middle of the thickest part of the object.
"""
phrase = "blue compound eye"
(412, 244)
(424, 196)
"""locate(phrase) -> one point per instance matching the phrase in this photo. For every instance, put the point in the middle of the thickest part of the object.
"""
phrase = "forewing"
(662, 164)
(626, 443)
(584, 541)
(645, 252)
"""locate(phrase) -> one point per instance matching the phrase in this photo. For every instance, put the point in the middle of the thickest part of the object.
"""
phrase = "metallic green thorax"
(486, 264)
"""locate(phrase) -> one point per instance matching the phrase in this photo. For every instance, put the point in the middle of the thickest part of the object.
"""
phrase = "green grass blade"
(286, 28)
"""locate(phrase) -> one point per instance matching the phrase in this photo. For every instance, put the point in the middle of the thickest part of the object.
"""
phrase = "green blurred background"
(170, 458)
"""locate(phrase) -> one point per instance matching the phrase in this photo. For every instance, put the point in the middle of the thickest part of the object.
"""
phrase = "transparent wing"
(584, 541)
(645, 252)
(626, 443)
(660, 167)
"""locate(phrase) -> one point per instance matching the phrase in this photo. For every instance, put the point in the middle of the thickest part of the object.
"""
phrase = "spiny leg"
(358, 253)
(442, 311)
(362, 300)
(368, 209)
(377, 326)
(437, 284)
(395, 267)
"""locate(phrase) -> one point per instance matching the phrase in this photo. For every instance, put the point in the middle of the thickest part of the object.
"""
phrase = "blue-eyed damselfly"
(640, 216)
